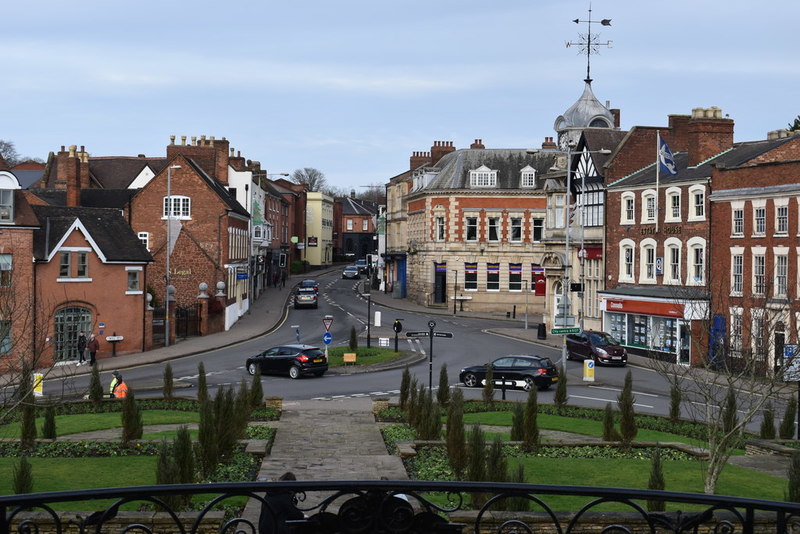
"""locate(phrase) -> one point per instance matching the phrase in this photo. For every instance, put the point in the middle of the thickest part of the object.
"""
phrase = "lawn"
(364, 356)
(72, 424)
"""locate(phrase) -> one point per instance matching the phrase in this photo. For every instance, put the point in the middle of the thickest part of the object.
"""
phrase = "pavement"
(338, 438)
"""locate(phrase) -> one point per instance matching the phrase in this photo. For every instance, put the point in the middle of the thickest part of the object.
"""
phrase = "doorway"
(685, 336)
(68, 323)
(440, 283)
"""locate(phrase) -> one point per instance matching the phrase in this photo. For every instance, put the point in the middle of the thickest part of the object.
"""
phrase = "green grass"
(73, 424)
(364, 355)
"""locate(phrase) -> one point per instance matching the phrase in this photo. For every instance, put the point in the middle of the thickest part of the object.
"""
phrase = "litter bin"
(542, 333)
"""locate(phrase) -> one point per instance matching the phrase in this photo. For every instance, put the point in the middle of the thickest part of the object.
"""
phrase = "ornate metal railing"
(390, 507)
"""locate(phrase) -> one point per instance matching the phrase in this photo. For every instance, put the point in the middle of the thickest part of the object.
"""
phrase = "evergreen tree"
(656, 481)
(207, 443)
(227, 424)
(49, 426)
(793, 494)
(443, 393)
(518, 504)
(411, 405)
(729, 418)
(167, 473)
(168, 382)
(456, 443)
(242, 409)
(184, 455)
(627, 416)
(22, 476)
(353, 338)
(202, 386)
(675, 398)
(786, 429)
(530, 435)
(95, 387)
(405, 385)
(28, 423)
(794, 126)
(256, 390)
(518, 423)
(488, 386)
(768, 422)
(609, 430)
(431, 427)
(476, 468)
(560, 397)
(132, 424)
(496, 464)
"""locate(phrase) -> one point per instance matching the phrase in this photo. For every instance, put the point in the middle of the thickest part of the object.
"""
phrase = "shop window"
(471, 276)
(492, 277)
(663, 334)
(616, 326)
(638, 331)
(515, 277)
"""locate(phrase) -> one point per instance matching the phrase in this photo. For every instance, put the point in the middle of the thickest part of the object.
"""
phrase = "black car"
(597, 346)
(294, 360)
(306, 297)
(362, 265)
(351, 271)
(517, 370)
(309, 284)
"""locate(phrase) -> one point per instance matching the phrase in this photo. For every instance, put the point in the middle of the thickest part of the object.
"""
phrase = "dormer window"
(528, 177)
(483, 177)
(6, 206)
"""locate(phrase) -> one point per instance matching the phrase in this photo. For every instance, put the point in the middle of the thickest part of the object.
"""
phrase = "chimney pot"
(62, 148)
(83, 148)
(183, 140)
(72, 151)
(194, 140)
(171, 139)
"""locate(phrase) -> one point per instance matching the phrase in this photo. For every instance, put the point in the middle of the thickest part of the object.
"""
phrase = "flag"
(666, 161)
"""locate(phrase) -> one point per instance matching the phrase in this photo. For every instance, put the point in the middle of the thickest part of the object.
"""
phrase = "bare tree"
(737, 370)
(313, 179)
(9, 152)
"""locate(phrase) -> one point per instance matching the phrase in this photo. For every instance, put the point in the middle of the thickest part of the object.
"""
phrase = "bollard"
(514, 312)
(542, 333)
(503, 386)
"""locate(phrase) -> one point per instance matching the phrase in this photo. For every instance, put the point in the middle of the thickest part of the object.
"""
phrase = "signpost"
(296, 331)
(562, 331)
(327, 337)
(431, 334)
(327, 322)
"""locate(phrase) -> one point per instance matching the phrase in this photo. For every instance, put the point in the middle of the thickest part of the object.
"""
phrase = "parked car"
(309, 284)
(362, 265)
(294, 360)
(517, 370)
(351, 271)
(597, 346)
(306, 297)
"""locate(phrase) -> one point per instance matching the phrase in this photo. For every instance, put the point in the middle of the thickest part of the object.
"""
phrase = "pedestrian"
(81, 348)
(118, 388)
(277, 508)
(93, 346)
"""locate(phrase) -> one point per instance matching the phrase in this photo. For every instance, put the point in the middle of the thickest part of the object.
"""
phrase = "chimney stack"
(418, 159)
(477, 145)
(709, 133)
(549, 144)
(440, 149)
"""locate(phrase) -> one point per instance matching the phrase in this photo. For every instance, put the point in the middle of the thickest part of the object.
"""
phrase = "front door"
(684, 356)
(440, 283)
(68, 323)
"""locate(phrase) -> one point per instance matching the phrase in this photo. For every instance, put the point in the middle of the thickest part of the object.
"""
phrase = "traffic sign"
(557, 331)
(417, 334)
(442, 334)
(327, 321)
(327, 337)
(431, 324)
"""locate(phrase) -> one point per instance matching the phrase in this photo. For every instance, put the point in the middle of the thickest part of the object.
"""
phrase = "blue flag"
(666, 161)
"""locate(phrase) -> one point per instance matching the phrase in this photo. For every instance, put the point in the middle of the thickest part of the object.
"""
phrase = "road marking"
(618, 389)
(608, 400)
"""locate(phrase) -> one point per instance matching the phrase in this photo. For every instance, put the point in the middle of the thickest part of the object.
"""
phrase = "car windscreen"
(306, 290)
(603, 339)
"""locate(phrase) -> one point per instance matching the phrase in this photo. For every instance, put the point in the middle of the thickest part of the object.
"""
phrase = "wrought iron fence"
(390, 507)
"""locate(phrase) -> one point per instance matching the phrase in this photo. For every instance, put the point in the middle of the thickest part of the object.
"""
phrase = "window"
(626, 260)
(782, 220)
(257, 231)
(493, 277)
(736, 332)
(628, 208)
(364, 225)
(349, 225)
(439, 228)
(472, 228)
(144, 237)
(515, 277)
(699, 204)
(759, 271)
(649, 255)
(674, 199)
(760, 221)
(83, 264)
(494, 230)
(528, 177)
(737, 273)
(6, 206)
(5, 270)
(698, 263)
(674, 258)
(471, 276)
(516, 229)
(593, 209)
(738, 222)
(759, 334)
(781, 274)
(649, 203)
(538, 229)
(180, 209)
(64, 265)
(483, 177)
(557, 212)
(134, 280)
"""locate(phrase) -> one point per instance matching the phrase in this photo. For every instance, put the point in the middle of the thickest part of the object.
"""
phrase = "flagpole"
(658, 168)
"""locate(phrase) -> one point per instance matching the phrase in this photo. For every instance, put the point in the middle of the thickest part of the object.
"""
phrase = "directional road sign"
(327, 337)
(557, 331)
(442, 334)
(417, 334)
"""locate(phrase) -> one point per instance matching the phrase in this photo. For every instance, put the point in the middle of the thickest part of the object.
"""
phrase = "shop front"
(654, 327)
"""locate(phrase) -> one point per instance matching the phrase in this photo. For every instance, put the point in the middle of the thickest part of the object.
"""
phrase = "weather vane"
(589, 42)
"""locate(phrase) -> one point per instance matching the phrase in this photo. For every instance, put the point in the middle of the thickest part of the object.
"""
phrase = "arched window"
(69, 322)
(648, 261)
(628, 208)
(696, 261)
(627, 256)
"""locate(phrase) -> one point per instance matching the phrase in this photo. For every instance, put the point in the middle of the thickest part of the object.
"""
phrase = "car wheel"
(251, 368)
(470, 380)
(319, 373)
(529, 383)
(294, 372)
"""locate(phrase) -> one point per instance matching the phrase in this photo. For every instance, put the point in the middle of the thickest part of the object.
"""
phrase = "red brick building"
(756, 269)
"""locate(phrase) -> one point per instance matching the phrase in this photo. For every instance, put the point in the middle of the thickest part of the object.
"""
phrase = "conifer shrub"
(530, 435)
(496, 463)
(28, 423)
(656, 480)
(168, 382)
(411, 405)
(609, 430)
(518, 423)
(786, 428)
(767, 430)
(132, 424)
(627, 415)
(431, 426)
(405, 386)
(675, 398)
(241, 408)
(455, 438)
(353, 344)
(206, 440)
(22, 478)
(256, 390)
(518, 504)
(729, 417)
(202, 385)
(95, 387)
(560, 397)
(793, 492)
(476, 467)
(167, 473)
(49, 425)
(443, 393)
(488, 386)
(183, 451)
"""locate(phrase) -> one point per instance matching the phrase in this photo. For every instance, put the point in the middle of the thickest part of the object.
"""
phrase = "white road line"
(608, 400)
(618, 389)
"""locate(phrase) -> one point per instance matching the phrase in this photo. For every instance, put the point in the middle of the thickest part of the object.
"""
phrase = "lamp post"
(369, 311)
(168, 250)
(455, 291)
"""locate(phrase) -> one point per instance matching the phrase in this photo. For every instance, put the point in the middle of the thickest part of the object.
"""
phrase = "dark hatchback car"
(600, 347)
(351, 271)
(294, 360)
(516, 370)
(309, 284)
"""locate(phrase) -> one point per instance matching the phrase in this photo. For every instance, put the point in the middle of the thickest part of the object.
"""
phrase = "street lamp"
(169, 243)
(369, 310)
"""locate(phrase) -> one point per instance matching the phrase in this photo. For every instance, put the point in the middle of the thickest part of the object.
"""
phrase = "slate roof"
(90, 198)
(117, 172)
(107, 227)
(601, 139)
(354, 206)
(586, 109)
(735, 156)
(454, 167)
(27, 177)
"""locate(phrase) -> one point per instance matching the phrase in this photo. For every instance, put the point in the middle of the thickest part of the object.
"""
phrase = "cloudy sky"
(352, 87)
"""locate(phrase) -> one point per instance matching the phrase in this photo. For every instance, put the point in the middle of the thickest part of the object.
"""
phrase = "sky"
(353, 87)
